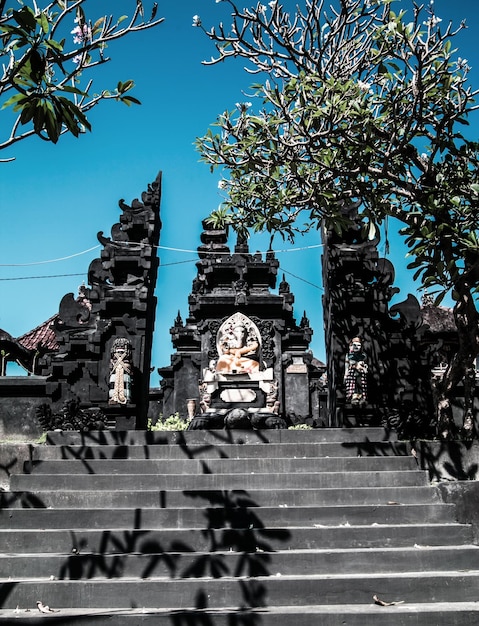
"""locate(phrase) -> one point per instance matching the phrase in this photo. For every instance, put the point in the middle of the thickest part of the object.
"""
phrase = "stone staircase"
(229, 528)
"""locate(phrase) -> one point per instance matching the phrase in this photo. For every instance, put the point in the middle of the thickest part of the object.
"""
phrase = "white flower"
(81, 33)
(196, 20)
(432, 21)
(222, 184)
(243, 106)
(272, 4)
(363, 86)
(261, 8)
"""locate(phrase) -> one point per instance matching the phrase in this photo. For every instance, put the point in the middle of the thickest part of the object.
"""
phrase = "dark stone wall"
(20, 396)
(448, 460)
(465, 495)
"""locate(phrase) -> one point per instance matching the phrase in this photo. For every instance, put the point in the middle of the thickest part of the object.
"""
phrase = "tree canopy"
(357, 103)
(48, 53)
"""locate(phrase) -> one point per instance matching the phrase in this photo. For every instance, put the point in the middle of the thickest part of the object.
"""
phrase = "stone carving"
(238, 344)
(71, 417)
(355, 374)
(74, 313)
(120, 372)
(272, 401)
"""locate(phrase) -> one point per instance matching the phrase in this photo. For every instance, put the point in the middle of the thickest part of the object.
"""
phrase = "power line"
(65, 258)
(83, 273)
(168, 248)
(302, 279)
(37, 277)
(162, 265)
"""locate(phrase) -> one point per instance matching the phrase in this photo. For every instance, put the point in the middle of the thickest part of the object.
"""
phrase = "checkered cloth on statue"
(355, 375)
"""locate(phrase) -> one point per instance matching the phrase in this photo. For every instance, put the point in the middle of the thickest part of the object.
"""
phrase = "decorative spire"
(241, 244)
(304, 321)
(284, 286)
(213, 241)
(178, 323)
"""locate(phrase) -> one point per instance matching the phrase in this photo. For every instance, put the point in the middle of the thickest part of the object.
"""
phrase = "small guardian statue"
(120, 372)
(355, 374)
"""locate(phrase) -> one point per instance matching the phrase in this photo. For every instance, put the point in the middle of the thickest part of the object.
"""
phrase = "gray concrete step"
(146, 541)
(417, 614)
(232, 529)
(252, 480)
(241, 593)
(218, 517)
(226, 451)
(279, 465)
(200, 564)
(163, 498)
(221, 437)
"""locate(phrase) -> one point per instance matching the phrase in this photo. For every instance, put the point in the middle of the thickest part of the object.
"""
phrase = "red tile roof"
(42, 336)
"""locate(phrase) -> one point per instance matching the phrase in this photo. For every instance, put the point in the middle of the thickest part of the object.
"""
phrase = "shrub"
(173, 422)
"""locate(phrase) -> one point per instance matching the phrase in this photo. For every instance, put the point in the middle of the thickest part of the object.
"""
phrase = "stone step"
(417, 614)
(238, 451)
(228, 528)
(219, 517)
(220, 437)
(223, 466)
(146, 541)
(275, 590)
(201, 498)
(41, 482)
(85, 566)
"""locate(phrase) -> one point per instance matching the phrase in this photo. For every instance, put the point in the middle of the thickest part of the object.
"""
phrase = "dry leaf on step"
(383, 603)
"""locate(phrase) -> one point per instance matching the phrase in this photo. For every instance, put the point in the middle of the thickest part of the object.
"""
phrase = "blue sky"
(54, 199)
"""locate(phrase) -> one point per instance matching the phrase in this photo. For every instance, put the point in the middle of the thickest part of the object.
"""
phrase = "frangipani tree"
(357, 103)
(47, 53)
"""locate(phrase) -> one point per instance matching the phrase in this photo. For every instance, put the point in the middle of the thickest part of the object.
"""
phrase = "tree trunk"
(462, 366)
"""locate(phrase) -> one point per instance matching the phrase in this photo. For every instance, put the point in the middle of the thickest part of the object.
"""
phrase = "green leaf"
(38, 66)
(52, 127)
(54, 45)
(27, 113)
(129, 100)
(71, 89)
(126, 86)
(26, 19)
(18, 98)
(38, 118)
(44, 23)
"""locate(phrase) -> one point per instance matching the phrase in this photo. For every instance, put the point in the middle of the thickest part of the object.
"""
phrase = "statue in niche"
(238, 344)
(355, 374)
(120, 372)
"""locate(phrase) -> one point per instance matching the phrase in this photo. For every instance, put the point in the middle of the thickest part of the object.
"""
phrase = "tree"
(359, 104)
(46, 53)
